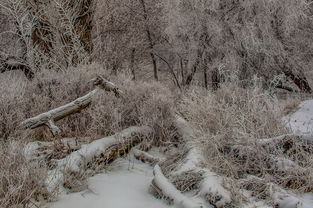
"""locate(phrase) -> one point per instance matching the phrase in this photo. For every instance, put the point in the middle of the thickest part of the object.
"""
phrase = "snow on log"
(103, 150)
(280, 197)
(301, 137)
(283, 199)
(212, 190)
(211, 187)
(41, 150)
(107, 86)
(184, 129)
(145, 157)
(49, 118)
(169, 191)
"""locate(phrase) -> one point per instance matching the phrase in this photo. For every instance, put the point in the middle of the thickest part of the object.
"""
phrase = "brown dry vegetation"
(216, 63)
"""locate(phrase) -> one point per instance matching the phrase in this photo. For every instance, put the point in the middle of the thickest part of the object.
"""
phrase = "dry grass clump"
(142, 104)
(21, 182)
(233, 112)
(230, 123)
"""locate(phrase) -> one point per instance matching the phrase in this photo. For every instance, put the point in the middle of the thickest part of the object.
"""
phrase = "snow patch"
(126, 186)
(302, 120)
(212, 185)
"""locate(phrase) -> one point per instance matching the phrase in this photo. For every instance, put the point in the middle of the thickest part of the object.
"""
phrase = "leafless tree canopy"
(185, 41)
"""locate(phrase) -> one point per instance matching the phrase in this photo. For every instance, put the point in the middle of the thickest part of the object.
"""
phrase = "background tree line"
(184, 41)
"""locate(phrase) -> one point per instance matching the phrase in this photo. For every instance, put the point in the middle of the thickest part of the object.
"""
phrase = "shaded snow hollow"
(126, 186)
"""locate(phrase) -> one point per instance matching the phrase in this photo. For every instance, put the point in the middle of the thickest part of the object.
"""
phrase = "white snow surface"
(125, 186)
(302, 120)
(169, 190)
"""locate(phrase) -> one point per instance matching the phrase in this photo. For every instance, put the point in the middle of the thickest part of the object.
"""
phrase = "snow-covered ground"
(302, 120)
(126, 185)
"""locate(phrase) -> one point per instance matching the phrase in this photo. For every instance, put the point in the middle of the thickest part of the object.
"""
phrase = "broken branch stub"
(49, 118)
(107, 86)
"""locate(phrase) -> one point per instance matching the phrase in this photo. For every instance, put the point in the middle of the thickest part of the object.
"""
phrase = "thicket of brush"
(223, 58)
(141, 104)
(230, 124)
(228, 118)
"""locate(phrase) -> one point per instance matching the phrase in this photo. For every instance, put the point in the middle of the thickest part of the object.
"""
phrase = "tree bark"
(132, 63)
(100, 151)
(194, 68)
(205, 74)
(49, 118)
(149, 37)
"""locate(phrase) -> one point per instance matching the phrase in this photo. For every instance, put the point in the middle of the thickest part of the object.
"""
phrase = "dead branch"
(211, 185)
(102, 151)
(49, 118)
(47, 150)
(167, 190)
(280, 197)
(145, 157)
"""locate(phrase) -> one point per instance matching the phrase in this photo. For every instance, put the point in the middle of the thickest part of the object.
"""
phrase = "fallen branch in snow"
(276, 162)
(283, 199)
(210, 184)
(47, 150)
(100, 151)
(49, 118)
(166, 189)
(211, 187)
(145, 157)
(308, 138)
(279, 196)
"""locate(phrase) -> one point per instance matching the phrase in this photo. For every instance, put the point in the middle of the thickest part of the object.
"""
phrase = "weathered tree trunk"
(215, 77)
(210, 185)
(205, 74)
(42, 35)
(100, 151)
(84, 24)
(194, 68)
(182, 68)
(145, 157)
(171, 70)
(132, 63)
(149, 37)
(168, 191)
(49, 118)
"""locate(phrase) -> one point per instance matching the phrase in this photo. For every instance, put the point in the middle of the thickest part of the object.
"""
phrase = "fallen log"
(301, 137)
(280, 198)
(104, 150)
(47, 150)
(49, 118)
(145, 157)
(210, 183)
(166, 189)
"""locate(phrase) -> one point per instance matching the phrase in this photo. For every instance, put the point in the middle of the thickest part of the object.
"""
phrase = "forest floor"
(127, 182)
